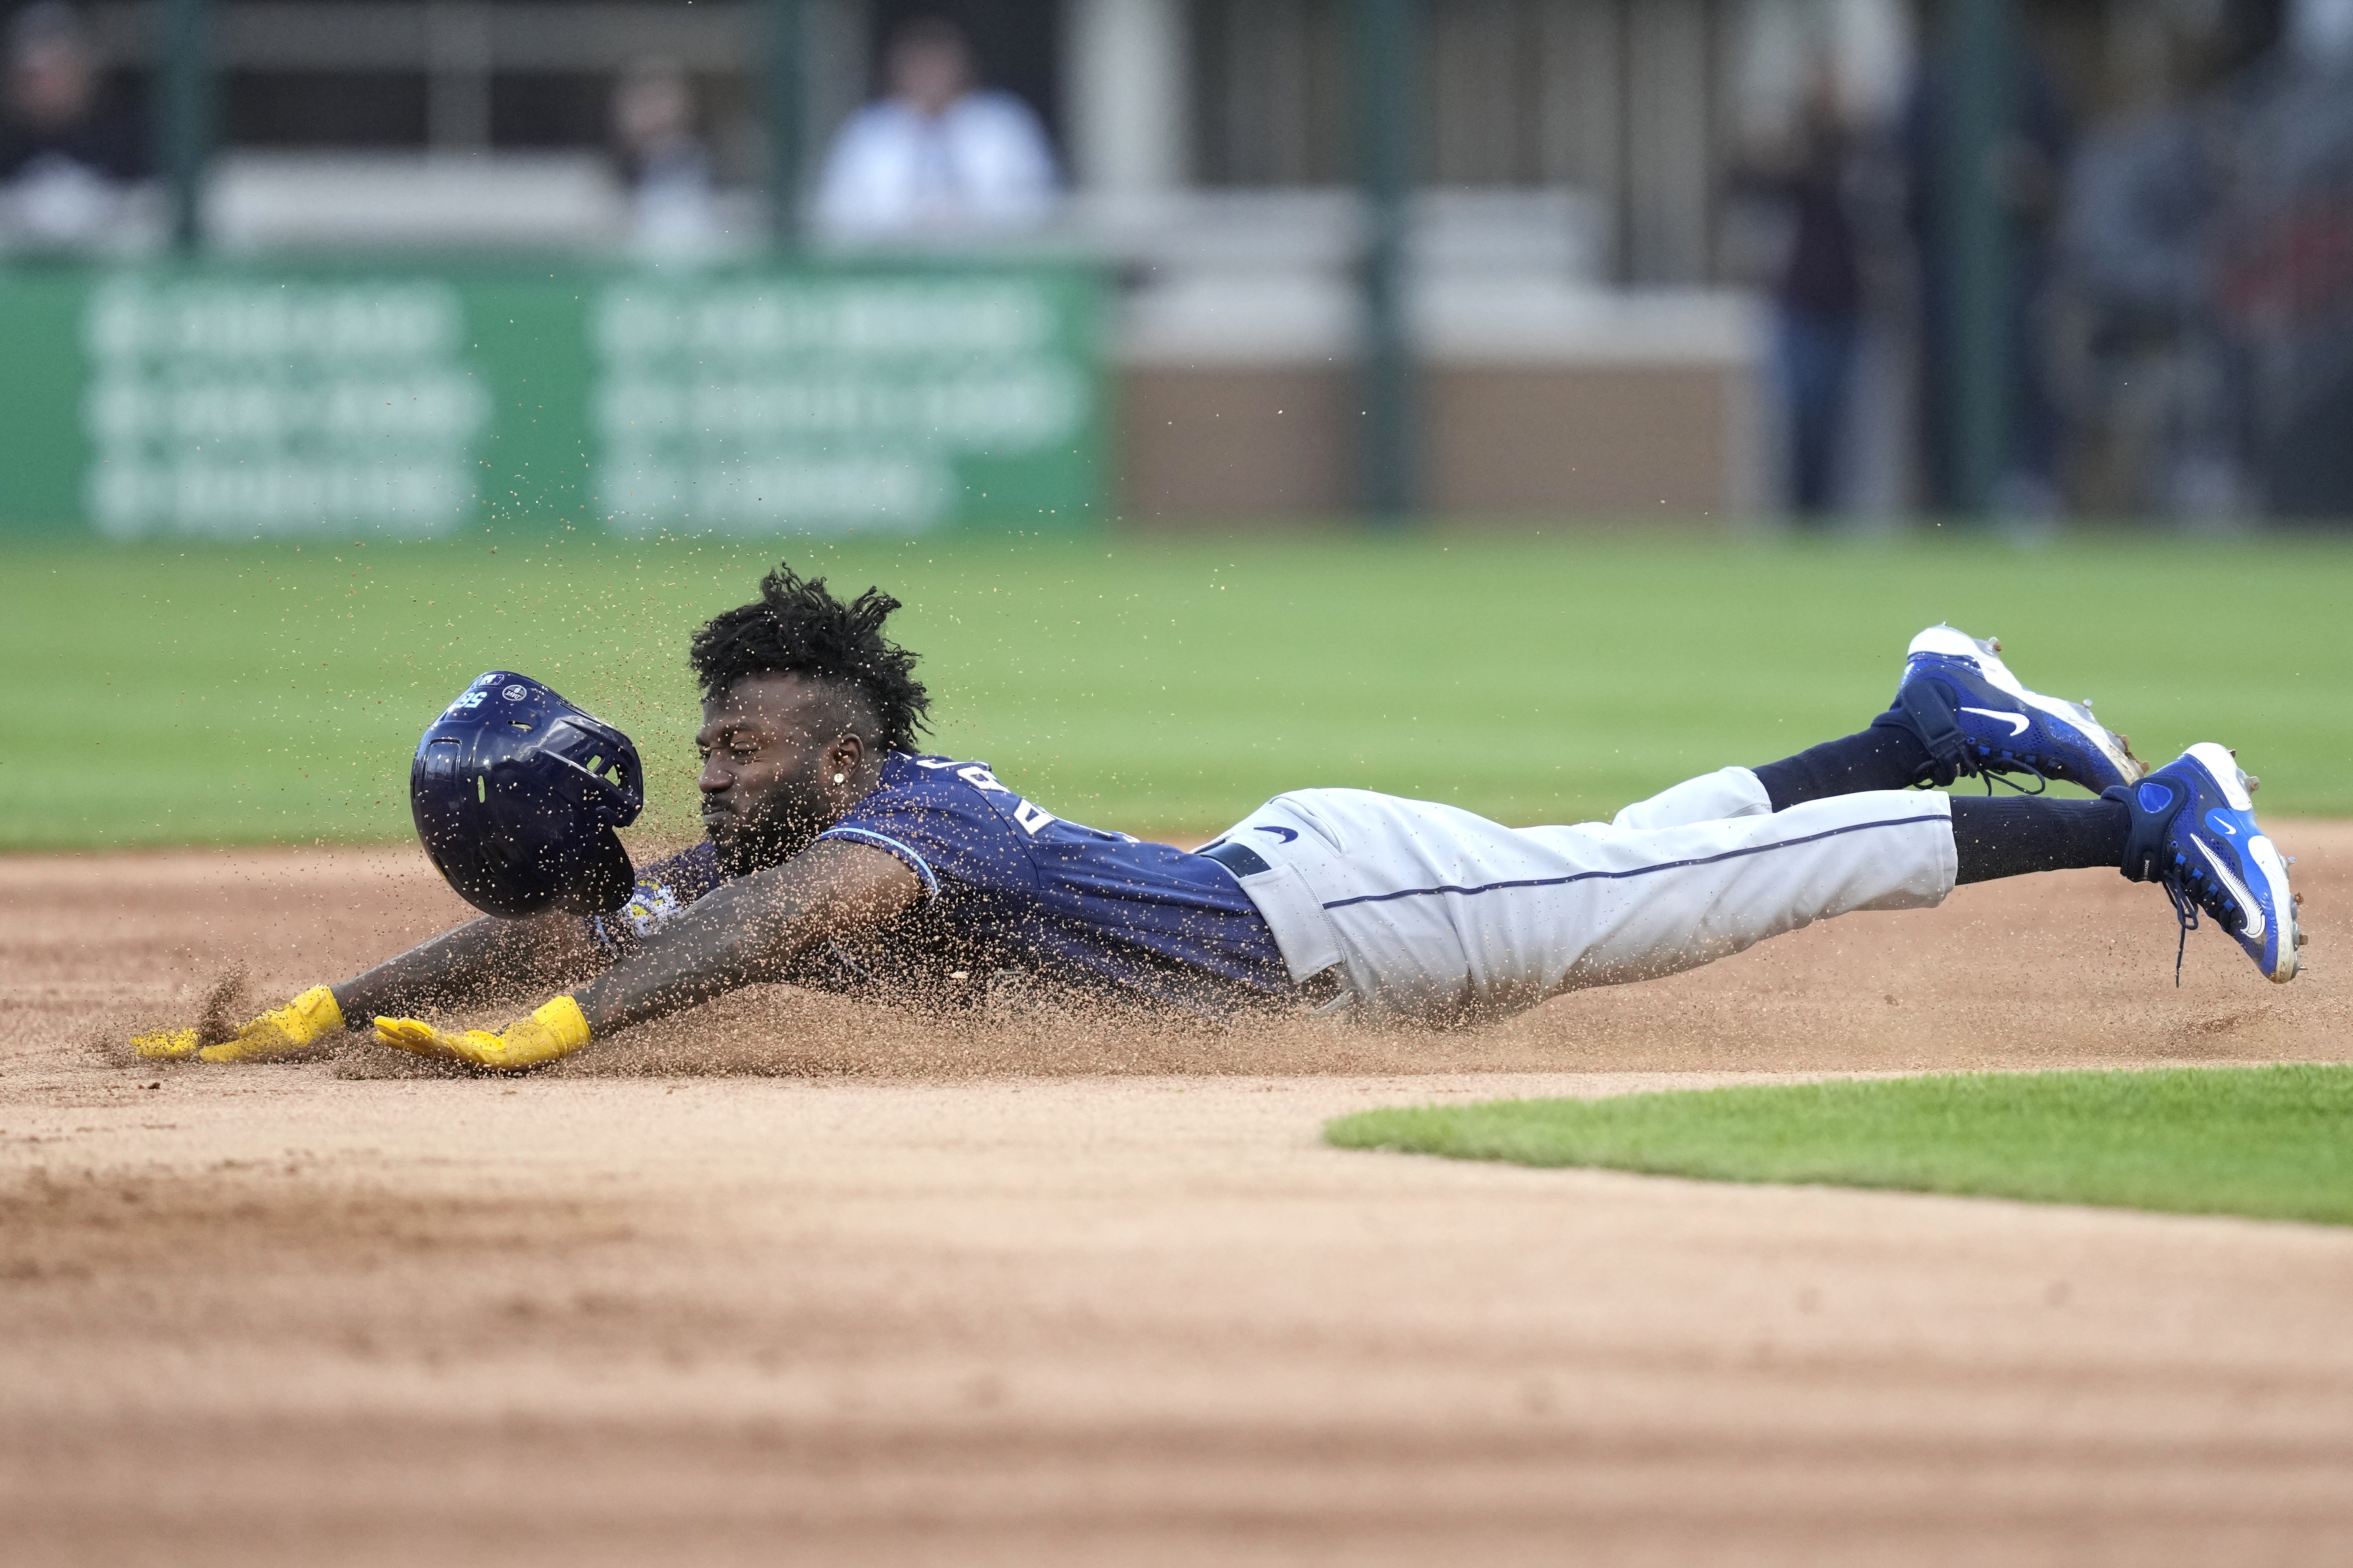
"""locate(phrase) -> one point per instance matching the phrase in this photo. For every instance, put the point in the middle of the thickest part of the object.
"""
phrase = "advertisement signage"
(238, 403)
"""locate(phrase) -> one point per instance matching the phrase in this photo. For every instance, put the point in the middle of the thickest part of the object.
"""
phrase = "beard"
(760, 837)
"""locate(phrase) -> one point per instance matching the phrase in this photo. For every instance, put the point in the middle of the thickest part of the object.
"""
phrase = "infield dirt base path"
(1027, 1293)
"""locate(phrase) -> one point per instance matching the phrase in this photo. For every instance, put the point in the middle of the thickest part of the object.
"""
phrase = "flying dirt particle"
(224, 1012)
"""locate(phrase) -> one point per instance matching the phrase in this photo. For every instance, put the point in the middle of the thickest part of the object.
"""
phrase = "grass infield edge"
(2261, 1142)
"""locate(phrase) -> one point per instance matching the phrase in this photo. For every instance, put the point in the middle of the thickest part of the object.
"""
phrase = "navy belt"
(1317, 990)
(1240, 858)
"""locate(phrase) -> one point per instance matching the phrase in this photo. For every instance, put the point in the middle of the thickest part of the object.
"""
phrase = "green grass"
(161, 694)
(2270, 1143)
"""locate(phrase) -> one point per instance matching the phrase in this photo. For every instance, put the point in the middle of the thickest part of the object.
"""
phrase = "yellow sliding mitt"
(555, 1030)
(278, 1033)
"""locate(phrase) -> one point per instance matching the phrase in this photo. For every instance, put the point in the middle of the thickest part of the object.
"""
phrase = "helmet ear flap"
(603, 883)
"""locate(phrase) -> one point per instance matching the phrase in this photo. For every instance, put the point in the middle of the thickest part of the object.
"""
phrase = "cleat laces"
(2193, 893)
(1992, 776)
(1930, 712)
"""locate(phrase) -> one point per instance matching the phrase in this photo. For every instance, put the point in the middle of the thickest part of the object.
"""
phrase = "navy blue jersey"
(1008, 886)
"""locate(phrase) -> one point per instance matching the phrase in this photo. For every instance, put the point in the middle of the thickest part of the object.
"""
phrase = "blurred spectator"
(2211, 249)
(2320, 36)
(2027, 178)
(940, 155)
(1818, 289)
(2161, 391)
(67, 156)
(673, 209)
(2282, 260)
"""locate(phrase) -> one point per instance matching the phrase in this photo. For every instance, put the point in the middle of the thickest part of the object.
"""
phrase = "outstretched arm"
(476, 962)
(479, 962)
(753, 929)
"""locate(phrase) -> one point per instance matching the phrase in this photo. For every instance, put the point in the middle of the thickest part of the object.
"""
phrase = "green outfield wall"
(408, 402)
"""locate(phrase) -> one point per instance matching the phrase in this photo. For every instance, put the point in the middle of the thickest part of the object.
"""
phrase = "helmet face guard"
(516, 793)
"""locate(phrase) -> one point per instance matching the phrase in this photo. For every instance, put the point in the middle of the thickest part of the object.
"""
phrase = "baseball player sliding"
(838, 855)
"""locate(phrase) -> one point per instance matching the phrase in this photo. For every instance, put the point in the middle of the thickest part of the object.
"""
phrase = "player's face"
(766, 746)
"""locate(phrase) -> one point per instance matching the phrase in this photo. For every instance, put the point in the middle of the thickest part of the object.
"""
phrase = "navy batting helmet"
(516, 793)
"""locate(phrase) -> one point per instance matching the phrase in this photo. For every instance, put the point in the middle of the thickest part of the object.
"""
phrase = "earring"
(837, 778)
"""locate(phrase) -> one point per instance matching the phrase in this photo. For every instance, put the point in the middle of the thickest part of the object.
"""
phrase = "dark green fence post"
(183, 119)
(1973, 132)
(782, 20)
(1385, 119)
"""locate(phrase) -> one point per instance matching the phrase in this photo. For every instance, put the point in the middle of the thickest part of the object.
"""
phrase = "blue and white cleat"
(1975, 718)
(2194, 830)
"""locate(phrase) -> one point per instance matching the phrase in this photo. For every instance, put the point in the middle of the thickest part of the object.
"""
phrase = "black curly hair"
(798, 628)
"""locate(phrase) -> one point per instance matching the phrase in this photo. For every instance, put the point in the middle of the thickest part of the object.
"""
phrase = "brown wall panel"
(1604, 439)
(1235, 441)
(1261, 441)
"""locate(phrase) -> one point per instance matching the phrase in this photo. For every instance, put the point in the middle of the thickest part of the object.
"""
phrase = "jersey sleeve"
(951, 823)
(874, 838)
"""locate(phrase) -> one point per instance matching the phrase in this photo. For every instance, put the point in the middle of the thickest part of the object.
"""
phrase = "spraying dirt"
(2073, 969)
(792, 1279)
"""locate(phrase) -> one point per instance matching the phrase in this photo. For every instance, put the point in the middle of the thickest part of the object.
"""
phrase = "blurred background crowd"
(1833, 260)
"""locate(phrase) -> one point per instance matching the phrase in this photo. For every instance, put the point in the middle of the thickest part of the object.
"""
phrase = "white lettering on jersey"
(1031, 817)
(980, 778)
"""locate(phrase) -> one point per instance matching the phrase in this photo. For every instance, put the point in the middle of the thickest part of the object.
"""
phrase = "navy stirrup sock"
(1995, 836)
(2008, 836)
(1882, 757)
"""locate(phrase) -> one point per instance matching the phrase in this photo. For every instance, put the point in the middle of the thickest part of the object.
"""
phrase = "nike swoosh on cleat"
(2017, 722)
(2254, 930)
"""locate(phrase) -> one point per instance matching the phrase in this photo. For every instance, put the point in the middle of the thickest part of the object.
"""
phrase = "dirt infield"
(792, 1282)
